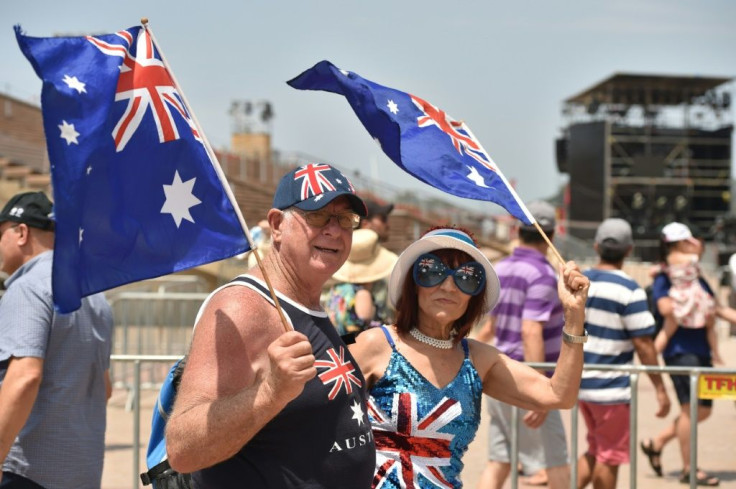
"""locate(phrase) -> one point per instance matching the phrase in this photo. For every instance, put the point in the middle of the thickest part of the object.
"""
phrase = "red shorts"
(608, 431)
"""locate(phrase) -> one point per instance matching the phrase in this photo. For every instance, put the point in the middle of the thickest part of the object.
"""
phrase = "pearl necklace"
(428, 340)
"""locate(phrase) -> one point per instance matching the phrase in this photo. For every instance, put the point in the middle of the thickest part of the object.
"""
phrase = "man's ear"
(275, 220)
(24, 234)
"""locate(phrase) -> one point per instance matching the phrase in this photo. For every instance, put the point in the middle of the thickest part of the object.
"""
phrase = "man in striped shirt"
(528, 321)
(618, 322)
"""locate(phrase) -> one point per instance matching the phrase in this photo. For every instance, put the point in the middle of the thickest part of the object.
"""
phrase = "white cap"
(676, 231)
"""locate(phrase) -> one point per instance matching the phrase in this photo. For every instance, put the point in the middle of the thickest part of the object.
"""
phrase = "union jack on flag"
(419, 137)
(463, 142)
(408, 445)
(339, 372)
(145, 83)
(137, 194)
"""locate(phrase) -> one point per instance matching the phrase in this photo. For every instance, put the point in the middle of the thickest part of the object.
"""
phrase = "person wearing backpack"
(263, 408)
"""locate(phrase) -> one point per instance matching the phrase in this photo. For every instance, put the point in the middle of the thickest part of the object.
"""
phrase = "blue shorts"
(682, 382)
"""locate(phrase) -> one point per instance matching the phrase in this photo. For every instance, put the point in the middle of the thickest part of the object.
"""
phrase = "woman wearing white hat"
(426, 379)
(350, 303)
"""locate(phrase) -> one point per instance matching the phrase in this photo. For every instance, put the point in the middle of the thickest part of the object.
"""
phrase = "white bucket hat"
(437, 240)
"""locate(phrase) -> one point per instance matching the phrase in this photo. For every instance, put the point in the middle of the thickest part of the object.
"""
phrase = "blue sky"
(502, 67)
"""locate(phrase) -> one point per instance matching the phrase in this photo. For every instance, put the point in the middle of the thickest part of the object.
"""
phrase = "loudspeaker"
(650, 207)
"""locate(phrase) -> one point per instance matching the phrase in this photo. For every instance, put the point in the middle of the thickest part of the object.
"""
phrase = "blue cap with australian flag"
(314, 185)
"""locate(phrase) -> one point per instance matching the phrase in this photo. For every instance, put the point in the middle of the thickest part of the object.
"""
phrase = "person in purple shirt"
(527, 322)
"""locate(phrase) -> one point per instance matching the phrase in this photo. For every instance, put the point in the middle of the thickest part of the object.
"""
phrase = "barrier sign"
(717, 386)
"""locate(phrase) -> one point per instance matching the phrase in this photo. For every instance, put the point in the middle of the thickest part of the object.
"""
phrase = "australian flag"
(136, 193)
(419, 137)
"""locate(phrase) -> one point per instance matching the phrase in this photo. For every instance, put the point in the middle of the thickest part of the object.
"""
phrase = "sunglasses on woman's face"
(429, 271)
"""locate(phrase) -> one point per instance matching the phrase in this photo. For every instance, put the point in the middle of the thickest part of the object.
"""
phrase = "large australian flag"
(137, 194)
(419, 137)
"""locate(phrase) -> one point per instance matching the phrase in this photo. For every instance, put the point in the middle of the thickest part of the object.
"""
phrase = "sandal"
(703, 479)
(655, 456)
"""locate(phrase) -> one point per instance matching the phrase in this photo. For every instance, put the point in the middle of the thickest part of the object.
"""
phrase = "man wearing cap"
(618, 322)
(260, 407)
(527, 322)
(53, 367)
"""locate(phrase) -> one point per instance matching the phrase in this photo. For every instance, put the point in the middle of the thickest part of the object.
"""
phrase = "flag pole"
(221, 176)
(522, 206)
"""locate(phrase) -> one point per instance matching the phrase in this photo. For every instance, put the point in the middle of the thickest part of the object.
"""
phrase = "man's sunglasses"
(429, 271)
(318, 219)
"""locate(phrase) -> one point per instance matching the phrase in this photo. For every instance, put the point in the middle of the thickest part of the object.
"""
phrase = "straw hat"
(437, 240)
(368, 260)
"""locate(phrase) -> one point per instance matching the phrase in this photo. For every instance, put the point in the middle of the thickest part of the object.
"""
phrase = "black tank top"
(322, 439)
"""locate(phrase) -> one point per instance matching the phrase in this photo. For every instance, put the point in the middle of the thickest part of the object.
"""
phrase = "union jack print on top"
(144, 82)
(339, 372)
(409, 445)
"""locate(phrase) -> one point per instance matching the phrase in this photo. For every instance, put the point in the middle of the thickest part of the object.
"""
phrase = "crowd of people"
(362, 367)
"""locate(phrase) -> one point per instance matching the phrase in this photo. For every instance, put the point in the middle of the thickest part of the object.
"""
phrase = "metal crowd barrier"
(151, 323)
(634, 372)
(134, 398)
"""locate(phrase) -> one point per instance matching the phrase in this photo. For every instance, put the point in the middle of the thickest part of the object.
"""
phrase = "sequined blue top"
(421, 432)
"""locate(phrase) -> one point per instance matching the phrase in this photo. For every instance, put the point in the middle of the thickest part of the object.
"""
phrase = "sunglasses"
(429, 271)
(318, 219)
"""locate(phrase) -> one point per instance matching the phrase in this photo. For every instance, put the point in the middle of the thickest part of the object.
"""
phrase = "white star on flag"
(357, 413)
(476, 177)
(393, 107)
(81, 235)
(179, 198)
(74, 83)
(319, 197)
(68, 133)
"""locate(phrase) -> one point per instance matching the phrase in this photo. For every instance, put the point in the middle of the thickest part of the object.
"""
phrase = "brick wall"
(22, 137)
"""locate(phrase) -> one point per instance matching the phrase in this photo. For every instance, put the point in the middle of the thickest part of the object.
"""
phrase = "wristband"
(574, 339)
